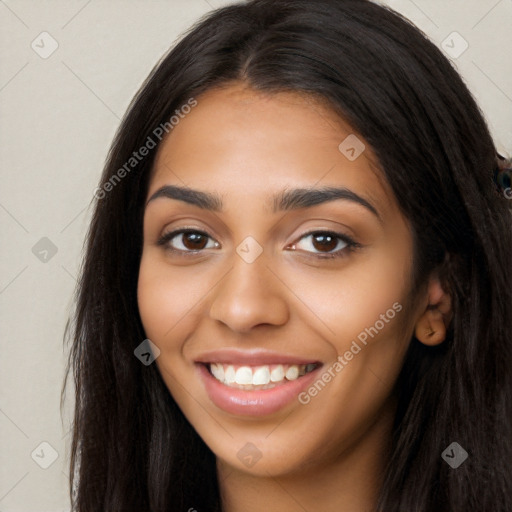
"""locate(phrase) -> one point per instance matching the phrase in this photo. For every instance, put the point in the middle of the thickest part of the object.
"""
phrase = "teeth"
(292, 373)
(218, 371)
(229, 374)
(261, 376)
(267, 376)
(309, 367)
(243, 375)
(277, 374)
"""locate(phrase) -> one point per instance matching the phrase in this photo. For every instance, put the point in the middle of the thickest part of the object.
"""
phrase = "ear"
(433, 322)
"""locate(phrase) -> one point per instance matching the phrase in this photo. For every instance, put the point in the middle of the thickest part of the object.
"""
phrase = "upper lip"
(250, 357)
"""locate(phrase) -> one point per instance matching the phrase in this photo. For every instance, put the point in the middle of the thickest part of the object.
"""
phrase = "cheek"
(362, 311)
(342, 305)
(157, 307)
(167, 297)
(166, 300)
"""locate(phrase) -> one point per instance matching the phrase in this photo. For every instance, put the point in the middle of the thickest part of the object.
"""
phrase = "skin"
(246, 146)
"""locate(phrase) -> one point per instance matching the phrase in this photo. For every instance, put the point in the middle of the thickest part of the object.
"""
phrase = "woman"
(294, 293)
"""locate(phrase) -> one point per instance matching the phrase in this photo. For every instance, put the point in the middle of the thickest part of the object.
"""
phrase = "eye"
(326, 244)
(187, 240)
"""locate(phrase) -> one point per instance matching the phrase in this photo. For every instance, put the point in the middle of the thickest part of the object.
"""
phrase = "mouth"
(254, 383)
(261, 377)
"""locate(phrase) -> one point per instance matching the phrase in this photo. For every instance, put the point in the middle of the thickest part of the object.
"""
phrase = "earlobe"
(430, 328)
(432, 325)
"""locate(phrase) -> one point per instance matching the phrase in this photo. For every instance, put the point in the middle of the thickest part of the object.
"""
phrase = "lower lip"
(254, 403)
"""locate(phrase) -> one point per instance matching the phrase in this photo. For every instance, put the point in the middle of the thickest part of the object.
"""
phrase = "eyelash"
(351, 245)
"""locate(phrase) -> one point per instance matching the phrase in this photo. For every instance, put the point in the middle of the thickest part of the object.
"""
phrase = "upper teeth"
(258, 375)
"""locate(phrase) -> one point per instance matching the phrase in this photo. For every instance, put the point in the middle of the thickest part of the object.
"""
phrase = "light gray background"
(58, 117)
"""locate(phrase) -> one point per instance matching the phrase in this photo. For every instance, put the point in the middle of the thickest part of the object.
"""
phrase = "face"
(274, 275)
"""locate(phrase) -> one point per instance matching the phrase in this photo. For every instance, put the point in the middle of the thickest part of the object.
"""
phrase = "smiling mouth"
(254, 378)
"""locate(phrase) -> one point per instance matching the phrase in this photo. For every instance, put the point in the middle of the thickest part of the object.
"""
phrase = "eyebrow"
(288, 199)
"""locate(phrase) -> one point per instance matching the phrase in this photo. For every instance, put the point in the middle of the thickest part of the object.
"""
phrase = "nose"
(249, 295)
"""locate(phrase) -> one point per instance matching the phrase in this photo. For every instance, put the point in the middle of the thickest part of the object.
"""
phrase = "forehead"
(239, 141)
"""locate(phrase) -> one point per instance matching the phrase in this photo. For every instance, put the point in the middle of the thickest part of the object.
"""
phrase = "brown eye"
(194, 241)
(187, 240)
(326, 244)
